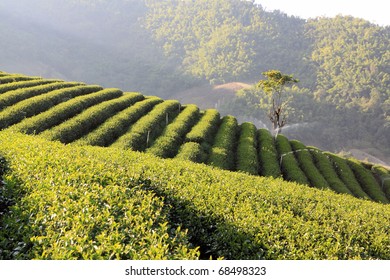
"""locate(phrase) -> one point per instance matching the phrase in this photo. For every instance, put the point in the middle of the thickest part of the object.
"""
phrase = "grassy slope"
(227, 214)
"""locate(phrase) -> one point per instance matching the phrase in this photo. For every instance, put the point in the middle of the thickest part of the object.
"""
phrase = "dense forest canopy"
(163, 47)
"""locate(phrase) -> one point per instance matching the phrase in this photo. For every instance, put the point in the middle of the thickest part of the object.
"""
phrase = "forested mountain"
(163, 47)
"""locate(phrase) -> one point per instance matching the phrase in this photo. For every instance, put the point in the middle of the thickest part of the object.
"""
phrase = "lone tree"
(278, 100)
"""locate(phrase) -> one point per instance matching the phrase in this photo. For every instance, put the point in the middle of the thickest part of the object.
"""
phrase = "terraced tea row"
(90, 115)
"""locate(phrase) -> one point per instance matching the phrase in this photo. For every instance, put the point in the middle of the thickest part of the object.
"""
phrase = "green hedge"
(307, 165)
(383, 175)
(347, 176)
(117, 125)
(100, 203)
(289, 164)
(38, 104)
(192, 151)
(66, 110)
(367, 181)
(247, 160)
(222, 153)
(68, 206)
(11, 78)
(14, 96)
(74, 128)
(26, 84)
(327, 170)
(143, 133)
(169, 142)
(205, 129)
(268, 155)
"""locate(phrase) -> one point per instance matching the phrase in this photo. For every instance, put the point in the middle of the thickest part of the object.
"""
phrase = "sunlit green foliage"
(118, 124)
(289, 165)
(172, 137)
(142, 134)
(66, 110)
(15, 95)
(347, 176)
(327, 170)
(24, 84)
(223, 151)
(73, 128)
(70, 206)
(383, 175)
(38, 104)
(247, 158)
(268, 156)
(367, 181)
(192, 151)
(205, 129)
(11, 78)
(101, 203)
(307, 165)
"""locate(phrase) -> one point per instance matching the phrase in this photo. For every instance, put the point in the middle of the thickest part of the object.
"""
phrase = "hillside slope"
(72, 202)
(90, 115)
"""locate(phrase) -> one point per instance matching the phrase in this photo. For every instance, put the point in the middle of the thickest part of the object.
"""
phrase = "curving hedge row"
(268, 155)
(117, 125)
(168, 143)
(383, 175)
(26, 84)
(347, 176)
(367, 181)
(192, 151)
(247, 160)
(14, 96)
(222, 154)
(66, 110)
(35, 105)
(11, 78)
(149, 127)
(325, 166)
(306, 163)
(205, 129)
(289, 164)
(74, 128)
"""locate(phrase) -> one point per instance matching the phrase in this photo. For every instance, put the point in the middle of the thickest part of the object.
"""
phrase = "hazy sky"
(376, 11)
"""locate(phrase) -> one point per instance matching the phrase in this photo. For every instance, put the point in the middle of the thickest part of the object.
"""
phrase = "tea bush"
(169, 142)
(289, 165)
(102, 203)
(148, 128)
(38, 104)
(268, 155)
(66, 110)
(367, 181)
(192, 151)
(11, 78)
(26, 84)
(74, 128)
(223, 151)
(347, 176)
(71, 206)
(325, 166)
(307, 165)
(383, 175)
(205, 129)
(117, 125)
(14, 96)
(247, 160)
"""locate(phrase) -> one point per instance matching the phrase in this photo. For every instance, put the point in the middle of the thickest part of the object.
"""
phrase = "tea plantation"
(64, 197)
